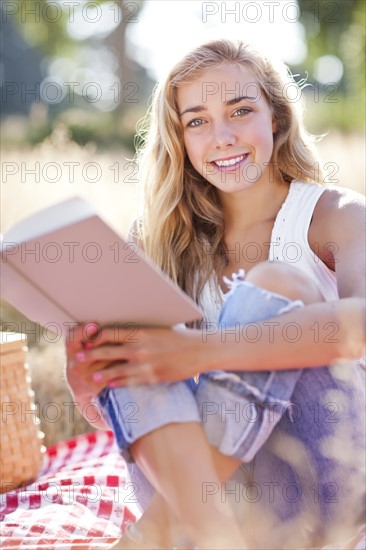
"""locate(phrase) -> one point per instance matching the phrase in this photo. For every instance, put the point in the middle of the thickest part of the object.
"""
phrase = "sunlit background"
(105, 56)
(75, 78)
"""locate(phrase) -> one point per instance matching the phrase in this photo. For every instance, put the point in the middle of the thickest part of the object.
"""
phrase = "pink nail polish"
(80, 356)
(97, 377)
(92, 327)
(88, 345)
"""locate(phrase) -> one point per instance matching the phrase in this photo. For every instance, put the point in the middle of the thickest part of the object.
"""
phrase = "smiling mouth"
(230, 162)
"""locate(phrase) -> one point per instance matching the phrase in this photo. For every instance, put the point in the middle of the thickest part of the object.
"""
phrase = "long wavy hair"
(182, 226)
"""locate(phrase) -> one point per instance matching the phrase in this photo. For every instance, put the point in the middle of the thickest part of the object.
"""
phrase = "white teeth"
(229, 162)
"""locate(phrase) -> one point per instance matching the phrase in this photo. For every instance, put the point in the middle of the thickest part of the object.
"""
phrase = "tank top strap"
(289, 240)
(296, 213)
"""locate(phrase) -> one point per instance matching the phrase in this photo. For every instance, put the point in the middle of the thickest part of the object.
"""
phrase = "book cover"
(65, 264)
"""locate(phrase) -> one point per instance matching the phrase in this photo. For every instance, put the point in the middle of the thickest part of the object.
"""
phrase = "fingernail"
(87, 345)
(97, 377)
(92, 327)
(80, 356)
(92, 331)
(112, 385)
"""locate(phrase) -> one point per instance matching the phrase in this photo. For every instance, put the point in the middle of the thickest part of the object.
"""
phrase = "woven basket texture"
(21, 450)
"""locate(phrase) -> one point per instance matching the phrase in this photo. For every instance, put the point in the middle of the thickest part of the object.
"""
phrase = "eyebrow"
(199, 108)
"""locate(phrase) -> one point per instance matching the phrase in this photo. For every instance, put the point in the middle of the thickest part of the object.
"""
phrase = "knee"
(284, 279)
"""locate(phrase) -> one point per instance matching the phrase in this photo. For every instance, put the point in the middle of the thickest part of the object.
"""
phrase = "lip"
(243, 158)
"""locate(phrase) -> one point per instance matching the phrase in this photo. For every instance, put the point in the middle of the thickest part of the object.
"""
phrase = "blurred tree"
(44, 25)
(19, 65)
(325, 22)
(337, 28)
(75, 46)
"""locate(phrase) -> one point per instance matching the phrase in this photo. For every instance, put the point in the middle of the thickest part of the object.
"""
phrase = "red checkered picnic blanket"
(81, 500)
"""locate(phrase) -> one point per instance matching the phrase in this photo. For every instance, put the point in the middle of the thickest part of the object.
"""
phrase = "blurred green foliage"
(47, 28)
(338, 28)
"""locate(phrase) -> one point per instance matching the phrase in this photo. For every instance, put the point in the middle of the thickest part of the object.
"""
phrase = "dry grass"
(115, 196)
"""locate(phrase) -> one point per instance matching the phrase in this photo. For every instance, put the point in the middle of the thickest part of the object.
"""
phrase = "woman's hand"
(80, 375)
(120, 357)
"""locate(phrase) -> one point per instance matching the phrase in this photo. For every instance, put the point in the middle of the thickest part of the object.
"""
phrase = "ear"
(274, 126)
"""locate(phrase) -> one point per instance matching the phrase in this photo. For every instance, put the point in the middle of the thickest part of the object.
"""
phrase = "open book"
(65, 264)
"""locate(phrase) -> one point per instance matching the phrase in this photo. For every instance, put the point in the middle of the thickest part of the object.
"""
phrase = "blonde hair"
(182, 228)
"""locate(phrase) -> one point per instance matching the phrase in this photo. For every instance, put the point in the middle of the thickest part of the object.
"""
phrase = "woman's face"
(227, 127)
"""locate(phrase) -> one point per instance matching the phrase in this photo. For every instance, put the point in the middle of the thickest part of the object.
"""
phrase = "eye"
(242, 111)
(195, 122)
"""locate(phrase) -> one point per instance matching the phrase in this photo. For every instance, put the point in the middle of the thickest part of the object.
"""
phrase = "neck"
(255, 204)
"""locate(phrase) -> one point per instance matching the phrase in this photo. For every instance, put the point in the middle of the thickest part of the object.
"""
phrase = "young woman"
(231, 188)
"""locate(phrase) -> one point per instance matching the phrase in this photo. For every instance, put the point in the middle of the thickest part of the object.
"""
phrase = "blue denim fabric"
(134, 411)
(299, 433)
(240, 409)
(311, 470)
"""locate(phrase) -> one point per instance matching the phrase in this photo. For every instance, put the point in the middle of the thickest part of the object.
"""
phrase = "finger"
(105, 353)
(111, 372)
(127, 333)
(81, 375)
(127, 374)
(79, 334)
(128, 382)
(82, 369)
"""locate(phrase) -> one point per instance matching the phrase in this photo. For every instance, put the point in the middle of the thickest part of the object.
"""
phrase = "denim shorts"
(300, 434)
(238, 409)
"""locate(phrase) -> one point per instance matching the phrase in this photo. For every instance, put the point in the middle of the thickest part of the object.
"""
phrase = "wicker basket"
(21, 449)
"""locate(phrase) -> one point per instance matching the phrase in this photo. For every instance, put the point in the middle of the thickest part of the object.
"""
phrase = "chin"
(233, 187)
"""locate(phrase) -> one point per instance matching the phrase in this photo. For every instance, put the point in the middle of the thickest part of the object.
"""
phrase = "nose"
(223, 135)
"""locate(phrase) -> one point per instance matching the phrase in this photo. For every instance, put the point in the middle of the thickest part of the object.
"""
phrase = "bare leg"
(285, 279)
(164, 457)
(160, 524)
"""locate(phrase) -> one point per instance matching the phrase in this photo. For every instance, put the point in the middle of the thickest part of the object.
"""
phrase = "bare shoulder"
(336, 200)
(337, 235)
(338, 208)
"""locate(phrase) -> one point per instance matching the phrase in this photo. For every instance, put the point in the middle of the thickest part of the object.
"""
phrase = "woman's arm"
(315, 335)
(318, 334)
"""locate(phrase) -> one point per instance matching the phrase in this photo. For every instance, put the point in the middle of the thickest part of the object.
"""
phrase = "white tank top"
(289, 243)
